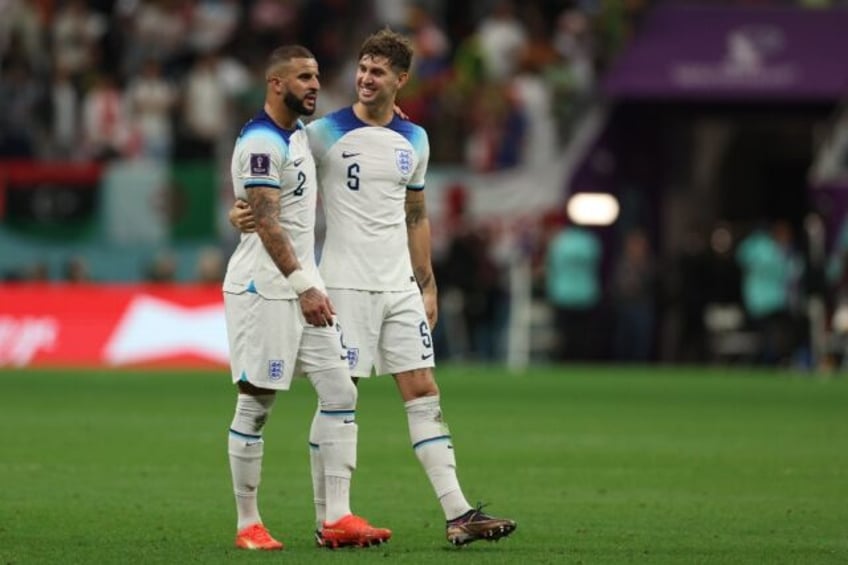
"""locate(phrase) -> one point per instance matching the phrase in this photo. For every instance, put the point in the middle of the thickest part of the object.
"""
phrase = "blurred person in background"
(64, 113)
(687, 296)
(280, 322)
(213, 23)
(470, 269)
(75, 34)
(159, 30)
(376, 263)
(210, 267)
(772, 270)
(205, 110)
(22, 38)
(37, 272)
(75, 270)
(634, 299)
(574, 289)
(502, 38)
(162, 268)
(150, 101)
(107, 130)
(23, 97)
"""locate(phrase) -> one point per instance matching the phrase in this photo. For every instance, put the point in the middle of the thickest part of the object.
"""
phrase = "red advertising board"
(61, 325)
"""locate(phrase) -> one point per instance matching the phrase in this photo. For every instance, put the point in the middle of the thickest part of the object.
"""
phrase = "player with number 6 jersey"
(377, 267)
(365, 173)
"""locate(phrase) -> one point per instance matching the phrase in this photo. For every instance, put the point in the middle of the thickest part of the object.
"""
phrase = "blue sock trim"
(243, 436)
(338, 412)
(430, 440)
(314, 446)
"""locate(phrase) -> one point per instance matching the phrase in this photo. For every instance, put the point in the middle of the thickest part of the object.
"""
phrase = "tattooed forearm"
(418, 231)
(415, 212)
(265, 203)
(424, 277)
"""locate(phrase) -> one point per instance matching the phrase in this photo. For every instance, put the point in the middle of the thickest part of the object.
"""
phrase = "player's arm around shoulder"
(418, 232)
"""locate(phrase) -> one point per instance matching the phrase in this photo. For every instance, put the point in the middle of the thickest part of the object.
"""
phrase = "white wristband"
(300, 281)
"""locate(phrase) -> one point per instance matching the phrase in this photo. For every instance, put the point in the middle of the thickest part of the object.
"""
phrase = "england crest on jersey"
(403, 159)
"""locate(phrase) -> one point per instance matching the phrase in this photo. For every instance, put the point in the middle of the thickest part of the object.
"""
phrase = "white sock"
(316, 465)
(335, 432)
(338, 498)
(245, 448)
(432, 443)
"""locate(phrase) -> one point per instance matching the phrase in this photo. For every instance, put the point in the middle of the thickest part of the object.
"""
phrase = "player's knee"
(335, 389)
(418, 383)
(252, 412)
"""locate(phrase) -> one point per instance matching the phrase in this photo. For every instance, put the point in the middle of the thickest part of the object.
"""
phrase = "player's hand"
(400, 113)
(241, 217)
(317, 308)
(431, 306)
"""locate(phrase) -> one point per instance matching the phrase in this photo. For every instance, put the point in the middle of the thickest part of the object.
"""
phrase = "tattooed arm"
(418, 232)
(265, 205)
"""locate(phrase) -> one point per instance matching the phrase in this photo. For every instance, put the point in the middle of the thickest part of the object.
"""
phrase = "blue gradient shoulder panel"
(262, 127)
(325, 132)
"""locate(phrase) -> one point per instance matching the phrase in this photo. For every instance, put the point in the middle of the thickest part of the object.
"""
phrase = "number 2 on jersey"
(301, 180)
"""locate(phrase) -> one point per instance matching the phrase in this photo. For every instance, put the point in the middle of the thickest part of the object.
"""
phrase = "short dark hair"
(284, 54)
(391, 45)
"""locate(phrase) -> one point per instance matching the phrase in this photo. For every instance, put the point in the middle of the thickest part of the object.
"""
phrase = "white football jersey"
(364, 172)
(266, 155)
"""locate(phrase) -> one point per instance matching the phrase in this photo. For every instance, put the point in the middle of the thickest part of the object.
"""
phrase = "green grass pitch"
(605, 465)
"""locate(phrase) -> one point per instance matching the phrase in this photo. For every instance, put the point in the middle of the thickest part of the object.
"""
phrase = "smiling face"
(296, 84)
(377, 83)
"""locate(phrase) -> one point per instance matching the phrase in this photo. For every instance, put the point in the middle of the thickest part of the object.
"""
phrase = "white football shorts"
(384, 332)
(270, 341)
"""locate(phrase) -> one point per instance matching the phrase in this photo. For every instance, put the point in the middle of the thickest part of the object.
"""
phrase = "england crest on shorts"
(403, 159)
(352, 357)
(276, 368)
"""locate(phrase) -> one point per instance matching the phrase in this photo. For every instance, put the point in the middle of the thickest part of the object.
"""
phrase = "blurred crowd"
(495, 82)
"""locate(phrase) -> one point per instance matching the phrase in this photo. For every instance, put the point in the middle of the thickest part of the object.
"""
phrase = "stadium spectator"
(150, 101)
(210, 266)
(502, 37)
(469, 268)
(634, 299)
(76, 32)
(771, 275)
(213, 23)
(75, 270)
(159, 31)
(534, 94)
(23, 95)
(106, 126)
(21, 34)
(162, 268)
(205, 110)
(64, 114)
(574, 289)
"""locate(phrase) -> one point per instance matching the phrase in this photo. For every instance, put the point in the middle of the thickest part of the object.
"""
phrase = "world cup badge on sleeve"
(403, 159)
(259, 164)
